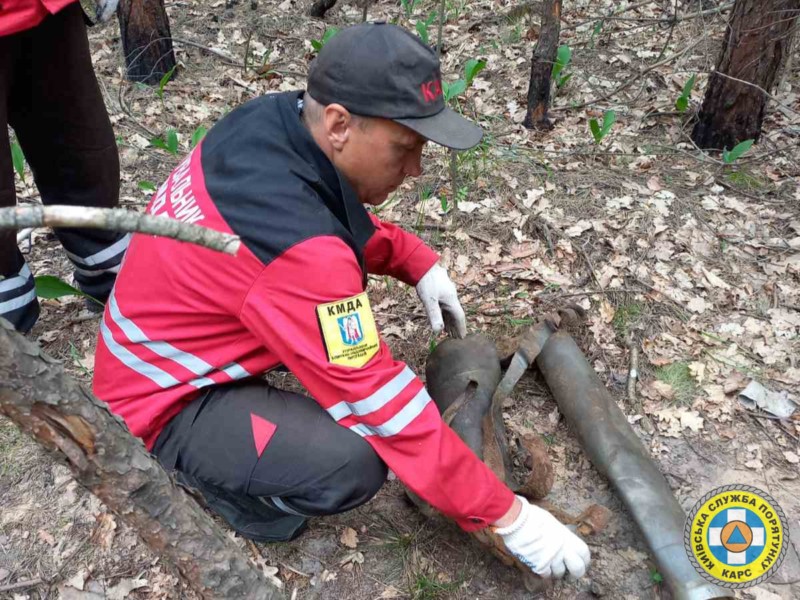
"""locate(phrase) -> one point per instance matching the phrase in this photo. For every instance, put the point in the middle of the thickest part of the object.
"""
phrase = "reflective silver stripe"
(283, 506)
(235, 371)
(398, 422)
(361, 430)
(98, 272)
(113, 250)
(12, 283)
(376, 400)
(133, 362)
(15, 303)
(188, 361)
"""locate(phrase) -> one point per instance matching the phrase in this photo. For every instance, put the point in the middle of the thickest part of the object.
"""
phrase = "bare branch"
(117, 219)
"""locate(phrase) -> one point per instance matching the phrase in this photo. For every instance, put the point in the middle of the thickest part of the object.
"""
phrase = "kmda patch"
(349, 331)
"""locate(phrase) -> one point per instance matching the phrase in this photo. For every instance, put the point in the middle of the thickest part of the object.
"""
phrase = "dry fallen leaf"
(349, 537)
(792, 457)
(104, 532)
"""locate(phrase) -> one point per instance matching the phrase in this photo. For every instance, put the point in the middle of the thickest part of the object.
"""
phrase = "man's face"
(378, 156)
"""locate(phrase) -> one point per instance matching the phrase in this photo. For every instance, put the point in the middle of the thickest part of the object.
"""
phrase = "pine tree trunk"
(757, 40)
(544, 56)
(146, 40)
(108, 461)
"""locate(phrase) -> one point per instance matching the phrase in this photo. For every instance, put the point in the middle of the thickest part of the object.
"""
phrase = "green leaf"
(422, 30)
(18, 159)
(563, 56)
(164, 80)
(594, 126)
(736, 152)
(316, 45)
(198, 135)
(687, 88)
(329, 33)
(147, 186)
(656, 577)
(50, 287)
(682, 103)
(472, 68)
(562, 80)
(172, 141)
(452, 90)
(609, 118)
(159, 143)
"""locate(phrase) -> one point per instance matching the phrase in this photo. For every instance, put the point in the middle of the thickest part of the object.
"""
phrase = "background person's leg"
(58, 114)
(277, 455)
(18, 302)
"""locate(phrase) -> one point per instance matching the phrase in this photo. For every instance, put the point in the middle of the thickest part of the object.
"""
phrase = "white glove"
(437, 291)
(545, 545)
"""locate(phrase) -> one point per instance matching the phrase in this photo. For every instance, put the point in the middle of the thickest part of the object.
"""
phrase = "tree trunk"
(757, 39)
(320, 7)
(544, 57)
(146, 40)
(107, 460)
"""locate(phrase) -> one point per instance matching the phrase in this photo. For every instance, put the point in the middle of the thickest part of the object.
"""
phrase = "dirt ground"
(692, 261)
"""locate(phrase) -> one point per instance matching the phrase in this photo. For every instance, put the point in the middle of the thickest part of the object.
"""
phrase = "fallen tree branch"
(21, 584)
(117, 219)
(106, 459)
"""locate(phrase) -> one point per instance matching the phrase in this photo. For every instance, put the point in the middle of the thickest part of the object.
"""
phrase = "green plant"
(422, 27)
(163, 83)
(563, 56)
(18, 159)
(598, 132)
(147, 186)
(472, 68)
(408, 7)
(326, 36)
(169, 142)
(444, 203)
(51, 287)
(425, 587)
(454, 89)
(656, 577)
(77, 359)
(729, 156)
(626, 316)
(198, 135)
(680, 379)
(682, 103)
(598, 27)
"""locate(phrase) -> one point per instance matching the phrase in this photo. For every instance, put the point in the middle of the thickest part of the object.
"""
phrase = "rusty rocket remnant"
(464, 378)
(617, 453)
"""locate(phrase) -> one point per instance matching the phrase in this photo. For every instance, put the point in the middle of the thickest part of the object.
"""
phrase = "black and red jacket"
(183, 317)
(20, 15)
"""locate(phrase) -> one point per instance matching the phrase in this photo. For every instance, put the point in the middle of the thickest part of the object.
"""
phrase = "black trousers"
(50, 97)
(266, 459)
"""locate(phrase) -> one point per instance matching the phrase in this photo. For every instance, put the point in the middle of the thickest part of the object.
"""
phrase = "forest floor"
(695, 262)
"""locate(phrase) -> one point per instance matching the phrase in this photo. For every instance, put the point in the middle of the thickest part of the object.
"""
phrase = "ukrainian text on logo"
(736, 536)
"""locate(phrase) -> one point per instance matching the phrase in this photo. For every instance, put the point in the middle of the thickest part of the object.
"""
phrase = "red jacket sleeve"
(382, 400)
(393, 251)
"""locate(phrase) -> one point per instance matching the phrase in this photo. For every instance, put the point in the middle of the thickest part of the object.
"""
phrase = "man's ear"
(337, 121)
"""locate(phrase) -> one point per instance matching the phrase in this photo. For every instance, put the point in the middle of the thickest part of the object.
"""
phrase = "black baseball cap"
(382, 70)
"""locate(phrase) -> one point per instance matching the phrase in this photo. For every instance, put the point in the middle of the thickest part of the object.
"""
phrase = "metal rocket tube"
(616, 452)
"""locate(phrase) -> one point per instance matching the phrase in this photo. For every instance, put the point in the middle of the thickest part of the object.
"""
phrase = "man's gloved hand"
(538, 540)
(438, 293)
